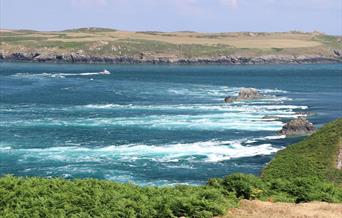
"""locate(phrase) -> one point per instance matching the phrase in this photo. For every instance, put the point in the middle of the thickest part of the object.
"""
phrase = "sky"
(175, 15)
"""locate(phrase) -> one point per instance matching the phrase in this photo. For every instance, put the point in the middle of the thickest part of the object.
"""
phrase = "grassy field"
(300, 173)
(100, 41)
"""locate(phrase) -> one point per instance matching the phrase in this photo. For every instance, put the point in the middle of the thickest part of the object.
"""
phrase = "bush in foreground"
(38, 197)
(300, 189)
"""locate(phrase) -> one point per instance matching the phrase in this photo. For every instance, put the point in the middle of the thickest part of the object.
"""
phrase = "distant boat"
(106, 72)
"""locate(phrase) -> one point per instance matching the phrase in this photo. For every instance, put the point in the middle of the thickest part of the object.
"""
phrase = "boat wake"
(60, 75)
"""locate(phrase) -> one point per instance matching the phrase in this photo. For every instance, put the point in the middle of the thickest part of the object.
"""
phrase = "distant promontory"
(99, 45)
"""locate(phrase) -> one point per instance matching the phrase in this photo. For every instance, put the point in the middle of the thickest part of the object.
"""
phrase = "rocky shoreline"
(140, 59)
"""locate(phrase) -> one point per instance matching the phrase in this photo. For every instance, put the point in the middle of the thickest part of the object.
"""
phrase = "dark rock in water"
(229, 99)
(245, 94)
(306, 113)
(271, 117)
(298, 126)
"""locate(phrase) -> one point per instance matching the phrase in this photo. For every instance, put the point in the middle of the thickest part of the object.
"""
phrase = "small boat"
(106, 72)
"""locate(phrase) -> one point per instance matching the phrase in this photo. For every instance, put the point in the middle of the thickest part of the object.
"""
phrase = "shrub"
(244, 185)
(304, 189)
(39, 197)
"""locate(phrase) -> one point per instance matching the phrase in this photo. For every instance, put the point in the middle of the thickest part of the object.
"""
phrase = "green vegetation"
(316, 156)
(90, 29)
(39, 197)
(300, 173)
(110, 42)
(331, 41)
(299, 189)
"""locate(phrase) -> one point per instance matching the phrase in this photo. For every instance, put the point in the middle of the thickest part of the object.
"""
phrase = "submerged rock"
(270, 117)
(298, 126)
(306, 113)
(245, 94)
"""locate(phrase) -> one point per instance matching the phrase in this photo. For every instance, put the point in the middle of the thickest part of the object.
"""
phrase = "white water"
(211, 151)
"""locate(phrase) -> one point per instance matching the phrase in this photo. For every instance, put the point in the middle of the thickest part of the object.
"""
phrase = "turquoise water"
(153, 124)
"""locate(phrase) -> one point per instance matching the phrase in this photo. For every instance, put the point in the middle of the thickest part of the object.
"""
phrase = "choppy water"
(153, 124)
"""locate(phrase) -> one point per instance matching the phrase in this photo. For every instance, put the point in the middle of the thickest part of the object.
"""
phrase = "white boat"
(106, 72)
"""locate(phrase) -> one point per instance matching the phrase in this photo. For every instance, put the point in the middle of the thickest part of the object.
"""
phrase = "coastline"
(224, 60)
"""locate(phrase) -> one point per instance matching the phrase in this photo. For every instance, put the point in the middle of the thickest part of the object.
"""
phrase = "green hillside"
(315, 156)
(151, 44)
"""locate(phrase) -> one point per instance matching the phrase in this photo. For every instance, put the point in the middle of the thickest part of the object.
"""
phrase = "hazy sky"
(175, 15)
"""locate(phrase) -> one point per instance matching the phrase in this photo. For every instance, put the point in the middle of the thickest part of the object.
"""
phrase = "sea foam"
(207, 151)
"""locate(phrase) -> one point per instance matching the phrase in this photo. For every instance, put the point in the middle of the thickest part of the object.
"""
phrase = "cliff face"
(111, 46)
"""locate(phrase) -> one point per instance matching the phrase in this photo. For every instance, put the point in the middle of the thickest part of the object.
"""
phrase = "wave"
(273, 91)
(274, 137)
(220, 122)
(281, 111)
(209, 116)
(6, 148)
(207, 151)
(217, 91)
(259, 111)
(261, 115)
(220, 107)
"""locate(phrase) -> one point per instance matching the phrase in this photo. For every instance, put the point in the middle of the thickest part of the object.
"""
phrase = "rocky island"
(298, 126)
(245, 94)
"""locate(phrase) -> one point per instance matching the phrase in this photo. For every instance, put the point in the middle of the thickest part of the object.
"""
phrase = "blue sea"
(154, 124)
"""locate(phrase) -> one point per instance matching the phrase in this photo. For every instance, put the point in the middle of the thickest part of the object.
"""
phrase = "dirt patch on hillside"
(339, 160)
(339, 157)
(259, 209)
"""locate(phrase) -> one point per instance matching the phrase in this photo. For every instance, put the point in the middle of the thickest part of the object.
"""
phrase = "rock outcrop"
(337, 52)
(305, 113)
(339, 160)
(298, 126)
(245, 94)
